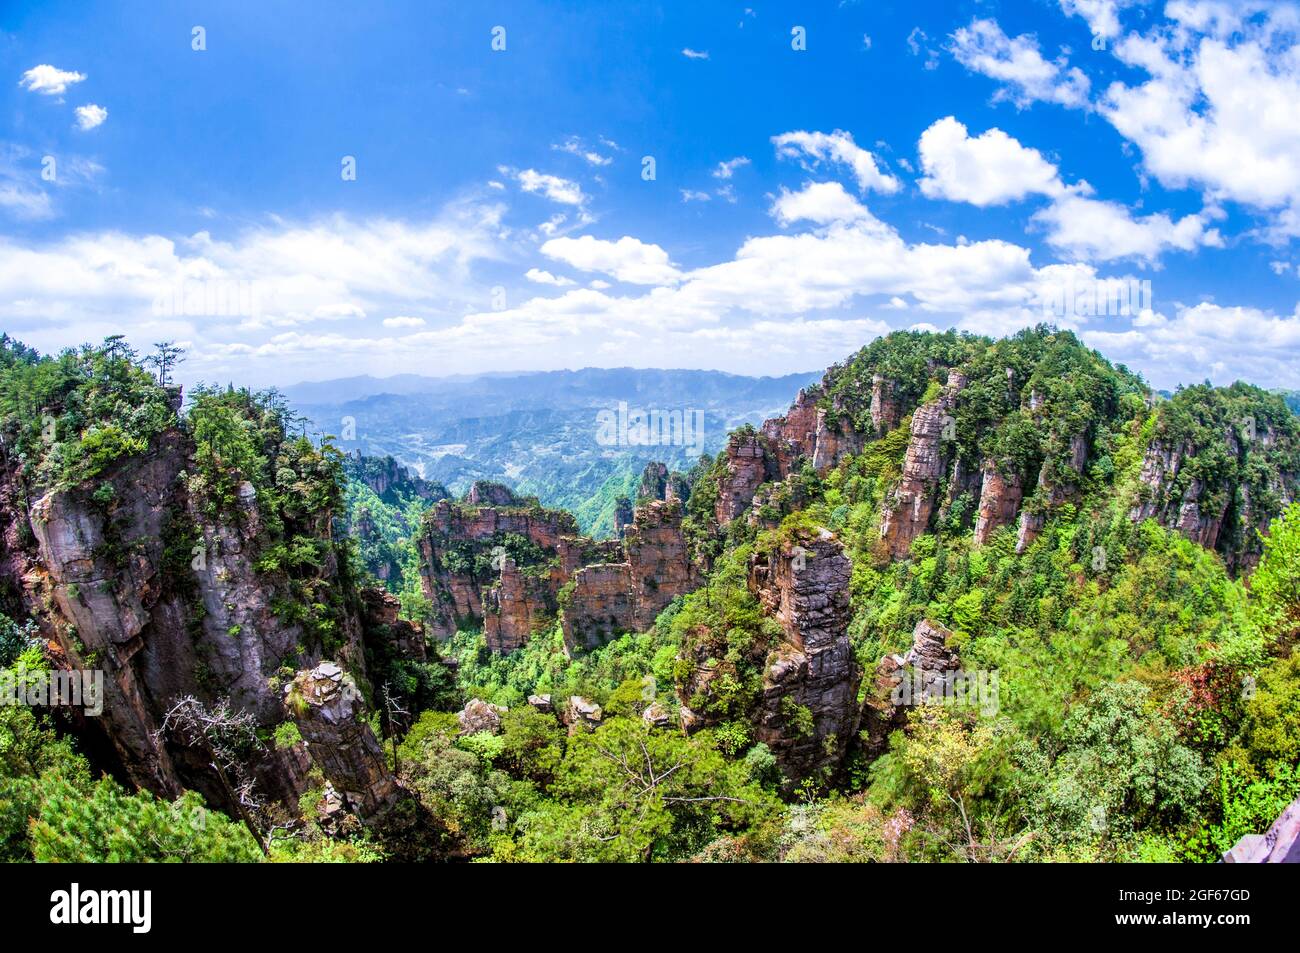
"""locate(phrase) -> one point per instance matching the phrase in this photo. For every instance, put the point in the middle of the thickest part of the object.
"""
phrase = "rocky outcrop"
(746, 469)
(487, 493)
(384, 476)
(808, 711)
(654, 482)
(463, 556)
(661, 566)
(906, 680)
(622, 515)
(810, 433)
(608, 599)
(479, 716)
(1000, 495)
(581, 714)
(907, 514)
(516, 607)
(886, 411)
(328, 709)
(133, 575)
(1058, 483)
(383, 617)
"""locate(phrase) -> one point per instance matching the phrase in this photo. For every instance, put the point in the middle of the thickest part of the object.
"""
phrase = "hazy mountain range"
(575, 439)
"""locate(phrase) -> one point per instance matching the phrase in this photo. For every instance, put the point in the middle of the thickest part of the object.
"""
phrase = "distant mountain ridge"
(545, 433)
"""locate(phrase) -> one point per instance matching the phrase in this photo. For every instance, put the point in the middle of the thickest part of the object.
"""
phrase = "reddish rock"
(516, 607)
(999, 501)
(885, 409)
(329, 712)
(746, 470)
(907, 515)
(805, 587)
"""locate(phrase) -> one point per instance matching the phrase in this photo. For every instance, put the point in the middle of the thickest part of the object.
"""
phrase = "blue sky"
(970, 165)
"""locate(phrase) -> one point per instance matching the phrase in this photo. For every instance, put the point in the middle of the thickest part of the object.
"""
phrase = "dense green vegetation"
(1148, 693)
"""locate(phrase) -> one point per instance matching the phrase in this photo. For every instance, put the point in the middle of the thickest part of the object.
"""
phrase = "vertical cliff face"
(929, 661)
(808, 713)
(1000, 495)
(131, 574)
(610, 598)
(463, 550)
(798, 668)
(329, 712)
(93, 578)
(907, 513)
(811, 434)
(746, 469)
(886, 411)
(1221, 476)
(515, 607)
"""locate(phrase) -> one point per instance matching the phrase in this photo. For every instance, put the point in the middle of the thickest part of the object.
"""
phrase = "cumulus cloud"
(90, 116)
(627, 259)
(837, 148)
(49, 80)
(228, 292)
(1092, 230)
(1222, 343)
(994, 168)
(1019, 65)
(691, 54)
(542, 277)
(403, 322)
(991, 169)
(1217, 111)
(819, 202)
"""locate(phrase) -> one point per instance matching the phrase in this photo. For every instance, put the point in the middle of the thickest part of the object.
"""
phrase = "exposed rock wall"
(907, 514)
(746, 470)
(808, 713)
(329, 712)
(453, 538)
(142, 584)
(1000, 495)
(611, 598)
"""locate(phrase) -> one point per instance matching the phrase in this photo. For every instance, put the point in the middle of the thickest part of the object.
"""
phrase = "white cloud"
(819, 202)
(278, 275)
(1102, 16)
(1018, 63)
(542, 277)
(836, 147)
(404, 322)
(627, 259)
(1218, 112)
(691, 54)
(23, 202)
(49, 80)
(1092, 230)
(574, 146)
(992, 169)
(691, 195)
(563, 191)
(725, 170)
(90, 116)
(1209, 340)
